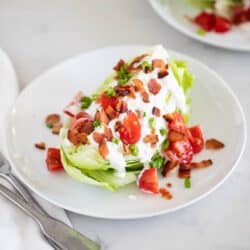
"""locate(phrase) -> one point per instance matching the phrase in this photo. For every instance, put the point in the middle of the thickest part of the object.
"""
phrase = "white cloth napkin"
(17, 230)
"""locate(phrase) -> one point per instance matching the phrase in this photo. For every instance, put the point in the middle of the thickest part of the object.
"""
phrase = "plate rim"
(161, 13)
(136, 216)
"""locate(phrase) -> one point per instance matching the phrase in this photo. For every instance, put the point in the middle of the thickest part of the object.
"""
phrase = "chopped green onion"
(163, 131)
(165, 145)
(157, 161)
(110, 91)
(187, 183)
(50, 125)
(201, 32)
(96, 124)
(94, 96)
(151, 122)
(86, 102)
(144, 114)
(123, 75)
(115, 140)
(146, 66)
(134, 149)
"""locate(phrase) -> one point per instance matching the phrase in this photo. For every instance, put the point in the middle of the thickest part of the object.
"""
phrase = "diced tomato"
(148, 181)
(108, 101)
(130, 129)
(176, 122)
(180, 151)
(222, 24)
(53, 159)
(196, 139)
(205, 20)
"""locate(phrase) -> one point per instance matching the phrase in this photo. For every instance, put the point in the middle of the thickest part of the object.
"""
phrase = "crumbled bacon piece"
(83, 125)
(119, 64)
(117, 126)
(77, 138)
(52, 119)
(122, 90)
(132, 68)
(183, 172)
(175, 136)
(154, 87)
(111, 113)
(138, 85)
(56, 128)
(158, 63)
(101, 117)
(214, 144)
(168, 117)
(98, 137)
(145, 96)
(168, 167)
(40, 145)
(169, 184)
(197, 165)
(156, 111)
(139, 113)
(126, 149)
(162, 74)
(152, 139)
(103, 149)
(108, 133)
(121, 106)
(165, 194)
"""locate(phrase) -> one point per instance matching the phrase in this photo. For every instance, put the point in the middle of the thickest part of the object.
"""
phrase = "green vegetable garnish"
(86, 102)
(157, 161)
(201, 32)
(165, 145)
(187, 183)
(115, 140)
(123, 75)
(49, 125)
(163, 131)
(146, 66)
(144, 114)
(151, 122)
(134, 149)
(110, 91)
(96, 124)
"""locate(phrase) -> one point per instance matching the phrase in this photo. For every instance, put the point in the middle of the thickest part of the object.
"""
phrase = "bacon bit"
(169, 184)
(111, 113)
(139, 113)
(108, 133)
(175, 136)
(121, 106)
(119, 64)
(117, 126)
(168, 117)
(122, 90)
(83, 125)
(156, 111)
(138, 85)
(52, 119)
(170, 165)
(165, 194)
(154, 87)
(77, 138)
(152, 139)
(214, 144)
(132, 68)
(158, 63)
(197, 165)
(98, 137)
(101, 117)
(145, 96)
(56, 128)
(162, 74)
(103, 149)
(183, 172)
(40, 145)
(153, 130)
(126, 149)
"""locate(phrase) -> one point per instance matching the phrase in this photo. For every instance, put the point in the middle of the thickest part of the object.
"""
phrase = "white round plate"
(173, 12)
(214, 106)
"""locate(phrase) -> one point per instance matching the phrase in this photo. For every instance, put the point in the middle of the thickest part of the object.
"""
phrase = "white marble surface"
(39, 34)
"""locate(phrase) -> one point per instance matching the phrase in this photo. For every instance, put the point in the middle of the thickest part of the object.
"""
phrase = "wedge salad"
(132, 127)
(221, 15)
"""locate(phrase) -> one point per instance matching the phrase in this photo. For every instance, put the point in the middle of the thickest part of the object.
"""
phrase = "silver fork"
(5, 173)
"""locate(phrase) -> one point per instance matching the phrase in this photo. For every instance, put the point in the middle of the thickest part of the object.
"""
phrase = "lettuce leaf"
(102, 178)
(202, 4)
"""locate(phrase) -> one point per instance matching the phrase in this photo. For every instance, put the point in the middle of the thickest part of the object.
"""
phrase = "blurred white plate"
(214, 106)
(173, 12)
